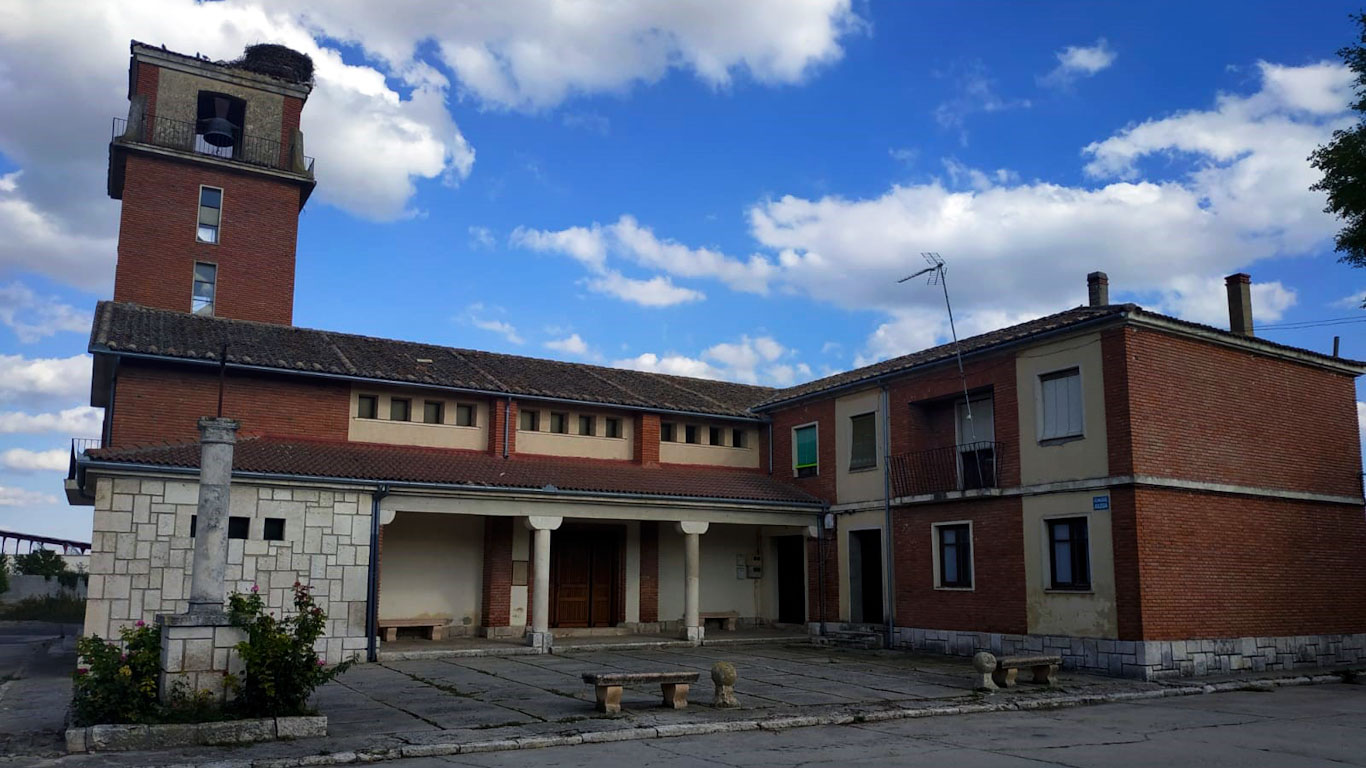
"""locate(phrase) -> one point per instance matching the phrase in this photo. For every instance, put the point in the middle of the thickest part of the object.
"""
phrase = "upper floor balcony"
(187, 136)
(961, 467)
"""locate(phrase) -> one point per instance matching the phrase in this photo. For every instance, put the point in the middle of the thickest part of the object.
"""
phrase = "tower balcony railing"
(184, 135)
(79, 445)
(962, 467)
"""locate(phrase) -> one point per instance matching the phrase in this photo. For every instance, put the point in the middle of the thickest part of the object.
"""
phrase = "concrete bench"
(436, 628)
(728, 619)
(1045, 669)
(674, 686)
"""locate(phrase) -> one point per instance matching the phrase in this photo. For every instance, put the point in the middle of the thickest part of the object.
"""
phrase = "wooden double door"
(586, 576)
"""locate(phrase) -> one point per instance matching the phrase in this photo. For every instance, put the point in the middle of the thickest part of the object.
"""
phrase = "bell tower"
(210, 167)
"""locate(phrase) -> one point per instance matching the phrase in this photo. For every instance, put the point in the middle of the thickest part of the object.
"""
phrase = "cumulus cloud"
(1078, 61)
(478, 316)
(22, 497)
(43, 383)
(81, 421)
(23, 460)
(658, 291)
(573, 344)
(757, 360)
(32, 317)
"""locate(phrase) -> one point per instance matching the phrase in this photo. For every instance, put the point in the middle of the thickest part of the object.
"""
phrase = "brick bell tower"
(211, 171)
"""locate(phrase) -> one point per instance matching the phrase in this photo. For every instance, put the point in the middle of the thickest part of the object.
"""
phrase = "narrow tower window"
(205, 285)
(210, 213)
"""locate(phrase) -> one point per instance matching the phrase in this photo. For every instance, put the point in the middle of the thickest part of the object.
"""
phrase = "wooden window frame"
(1080, 552)
(963, 556)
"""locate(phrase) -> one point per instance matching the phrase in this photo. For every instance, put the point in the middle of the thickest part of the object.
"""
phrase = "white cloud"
(41, 383)
(81, 421)
(573, 344)
(481, 237)
(904, 155)
(32, 317)
(976, 92)
(1077, 61)
(588, 121)
(757, 360)
(23, 460)
(22, 497)
(476, 315)
(1355, 301)
(658, 291)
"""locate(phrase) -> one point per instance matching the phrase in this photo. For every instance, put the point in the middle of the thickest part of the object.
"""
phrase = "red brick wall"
(646, 448)
(827, 545)
(1118, 412)
(822, 412)
(496, 605)
(649, 571)
(292, 111)
(997, 601)
(1229, 566)
(154, 404)
(497, 418)
(145, 81)
(1209, 413)
(157, 246)
(1124, 537)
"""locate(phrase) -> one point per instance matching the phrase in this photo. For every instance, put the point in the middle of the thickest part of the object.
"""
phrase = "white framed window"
(205, 288)
(951, 545)
(1060, 404)
(210, 214)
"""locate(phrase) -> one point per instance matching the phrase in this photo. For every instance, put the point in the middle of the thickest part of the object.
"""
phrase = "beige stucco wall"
(721, 590)
(1073, 459)
(679, 452)
(1081, 614)
(445, 435)
(863, 484)
(855, 521)
(178, 99)
(432, 567)
(521, 550)
(596, 446)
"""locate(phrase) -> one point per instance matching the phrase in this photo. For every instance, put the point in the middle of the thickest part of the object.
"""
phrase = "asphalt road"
(1322, 725)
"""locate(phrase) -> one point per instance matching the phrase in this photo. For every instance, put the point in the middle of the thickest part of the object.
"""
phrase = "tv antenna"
(936, 271)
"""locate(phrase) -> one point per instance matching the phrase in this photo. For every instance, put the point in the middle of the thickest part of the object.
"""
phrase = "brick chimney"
(1098, 288)
(1239, 303)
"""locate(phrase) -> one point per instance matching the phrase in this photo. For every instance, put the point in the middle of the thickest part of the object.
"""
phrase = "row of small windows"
(272, 529)
(585, 424)
(693, 434)
(1069, 554)
(401, 409)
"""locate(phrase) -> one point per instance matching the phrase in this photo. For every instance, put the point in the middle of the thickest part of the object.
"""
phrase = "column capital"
(543, 523)
(693, 528)
(218, 430)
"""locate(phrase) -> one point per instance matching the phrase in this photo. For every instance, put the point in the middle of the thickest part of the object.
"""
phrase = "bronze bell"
(219, 132)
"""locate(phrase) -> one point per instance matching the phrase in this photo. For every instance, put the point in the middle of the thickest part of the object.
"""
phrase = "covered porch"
(517, 574)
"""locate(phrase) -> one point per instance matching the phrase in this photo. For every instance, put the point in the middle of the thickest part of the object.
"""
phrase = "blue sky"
(720, 189)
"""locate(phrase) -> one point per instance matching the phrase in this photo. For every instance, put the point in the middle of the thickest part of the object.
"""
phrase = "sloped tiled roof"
(130, 328)
(406, 464)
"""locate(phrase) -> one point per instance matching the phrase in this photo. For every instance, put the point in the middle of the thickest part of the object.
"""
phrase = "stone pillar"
(539, 636)
(216, 440)
(197, 646)
(692, 580)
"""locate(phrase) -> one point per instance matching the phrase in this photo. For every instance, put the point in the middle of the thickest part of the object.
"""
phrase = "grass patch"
(60, 608)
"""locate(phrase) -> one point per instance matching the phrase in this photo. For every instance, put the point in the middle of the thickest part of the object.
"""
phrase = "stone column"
(692, 579)
(539, 636)
(216, 441)
(197, 647)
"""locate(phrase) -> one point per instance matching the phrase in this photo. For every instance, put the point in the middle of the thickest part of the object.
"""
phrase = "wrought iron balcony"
(963, 467)
(184, 135)
(79, 445)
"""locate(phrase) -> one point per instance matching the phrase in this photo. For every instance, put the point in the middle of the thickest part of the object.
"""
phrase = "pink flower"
(255, 589)
(322, 663)
(123, 657)
(82, 671)
(141, 623)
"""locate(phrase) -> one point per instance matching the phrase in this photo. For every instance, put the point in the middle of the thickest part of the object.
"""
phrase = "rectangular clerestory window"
(587, 426)
(559, 423)
(529, 421)
(210, 214)
(668, 432)
(737, 438)
(205, 288)
(715, 436)
(433, 412)
(400, 409)
(367, 407)
(613, 427)
(464, 415)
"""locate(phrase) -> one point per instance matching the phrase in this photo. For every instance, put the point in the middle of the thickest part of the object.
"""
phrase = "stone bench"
(729, 619)
(674, 686)
(1044, 667)
(436, 628)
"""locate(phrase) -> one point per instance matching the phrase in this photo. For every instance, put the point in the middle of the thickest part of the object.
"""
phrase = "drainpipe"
(820, 564)
(507, 413)
(888, 563)
(770, 447)
(372, 586)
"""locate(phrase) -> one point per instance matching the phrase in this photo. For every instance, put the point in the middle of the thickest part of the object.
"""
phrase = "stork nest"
(277, 61)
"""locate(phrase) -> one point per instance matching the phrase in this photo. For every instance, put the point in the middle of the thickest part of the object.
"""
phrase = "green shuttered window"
(804, 443)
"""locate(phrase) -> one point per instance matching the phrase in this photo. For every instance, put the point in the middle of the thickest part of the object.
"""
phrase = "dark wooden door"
(584, 573)
(791, 579)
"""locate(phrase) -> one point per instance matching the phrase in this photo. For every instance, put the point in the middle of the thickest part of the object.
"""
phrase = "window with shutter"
(863, 445)
(804, 451)
(1060, 405)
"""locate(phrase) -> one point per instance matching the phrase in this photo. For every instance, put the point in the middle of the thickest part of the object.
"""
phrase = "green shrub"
(4, 573)
(64, 608)
(40, 562)
(281, 669)
(118, 684)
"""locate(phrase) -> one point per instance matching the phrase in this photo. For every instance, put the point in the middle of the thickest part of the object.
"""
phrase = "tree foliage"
(1343, 162)
(281, 667)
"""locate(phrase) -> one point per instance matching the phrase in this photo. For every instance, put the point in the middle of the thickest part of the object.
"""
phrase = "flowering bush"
(118, 684)
(281, 669)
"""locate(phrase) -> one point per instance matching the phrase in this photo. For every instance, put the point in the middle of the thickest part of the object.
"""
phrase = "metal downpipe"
(372, 585)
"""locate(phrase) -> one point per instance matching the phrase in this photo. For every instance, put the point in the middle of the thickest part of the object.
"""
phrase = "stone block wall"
(142, 553)
(1151, 659)
(199, 653)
